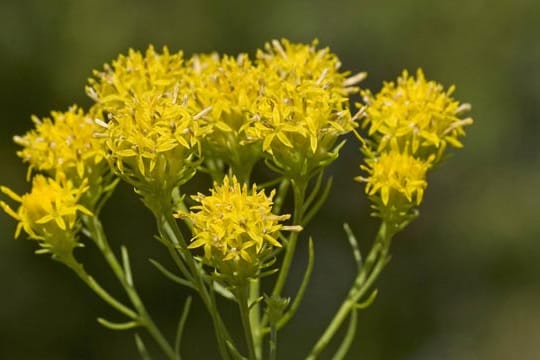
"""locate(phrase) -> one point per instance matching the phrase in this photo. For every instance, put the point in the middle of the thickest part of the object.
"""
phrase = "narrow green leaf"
(181, 326)
(354, 245)
(318, 203)
(367, 303)
(314, 191)
(118, 326)
(348, 339)
(234, 352)
(221, 290)
(267, 273)
(302, 289)
(169, 275)
(142, 348)
(255, 302)
(126, 265)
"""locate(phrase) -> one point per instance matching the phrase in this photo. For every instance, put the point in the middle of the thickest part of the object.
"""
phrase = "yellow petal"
(10, 193)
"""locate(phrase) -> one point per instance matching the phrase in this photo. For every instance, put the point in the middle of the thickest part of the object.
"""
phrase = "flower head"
(226, 88)
(48, 213)
(153, 141)
(66, 143)
(235, 227)
(296, 63)
(397, 176)
(153, 127)
(135, 74)
(303, 108)
(415, 113)
(228, 85)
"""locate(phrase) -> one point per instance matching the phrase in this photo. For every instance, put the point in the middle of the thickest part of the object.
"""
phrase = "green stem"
(98, 235)
(255, 315)
(242, 170)
(348, 339)
(299, 188)
(298, 298)
(376, 261)
(174, 241)
(273, 343)
(215, 169)
(168, 228)
(102, 293)
(299, 192)
(242, 297)
(280, 197)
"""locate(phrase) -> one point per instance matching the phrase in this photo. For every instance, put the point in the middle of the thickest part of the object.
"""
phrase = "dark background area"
(463, 281)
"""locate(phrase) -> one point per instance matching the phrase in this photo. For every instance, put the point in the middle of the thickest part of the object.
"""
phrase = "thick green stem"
(242, 297)
(255, 315)
(376, 261)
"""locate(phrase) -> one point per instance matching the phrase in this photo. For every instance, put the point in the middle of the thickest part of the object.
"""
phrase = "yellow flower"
(394, 175)
(48, 213)
(226, 85)
(226, 88)
(135, 74)
(303, 107)
(296, 63)
(153, 141)
(415, 113)
(235, 227)
(65, 142)
(153, 129)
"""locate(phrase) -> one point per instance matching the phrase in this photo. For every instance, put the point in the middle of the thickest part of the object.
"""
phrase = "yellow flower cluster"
(416, 114)
(395, 172)
(65, 148)
(152, 132)
(410, 123)
(291, 105)
(152, 140)
(157, 117)
(48, 213)
(226, 87)
(235, 227)
(304, 107)
(133, 75)
(65, 142)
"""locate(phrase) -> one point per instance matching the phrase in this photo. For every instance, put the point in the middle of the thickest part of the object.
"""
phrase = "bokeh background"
(464, 279)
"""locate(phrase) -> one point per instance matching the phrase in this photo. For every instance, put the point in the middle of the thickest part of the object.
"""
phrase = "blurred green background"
(463, 282)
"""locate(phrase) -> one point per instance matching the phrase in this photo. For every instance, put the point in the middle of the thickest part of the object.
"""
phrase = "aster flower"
(410, 122)
(303, 108)
(151, 127)
(64, 142)
(417, 113)
(297, 62)
(236, 228)
(394, 177)
(227, 87)
(135, 74)
(153, 142)
(48, 213)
